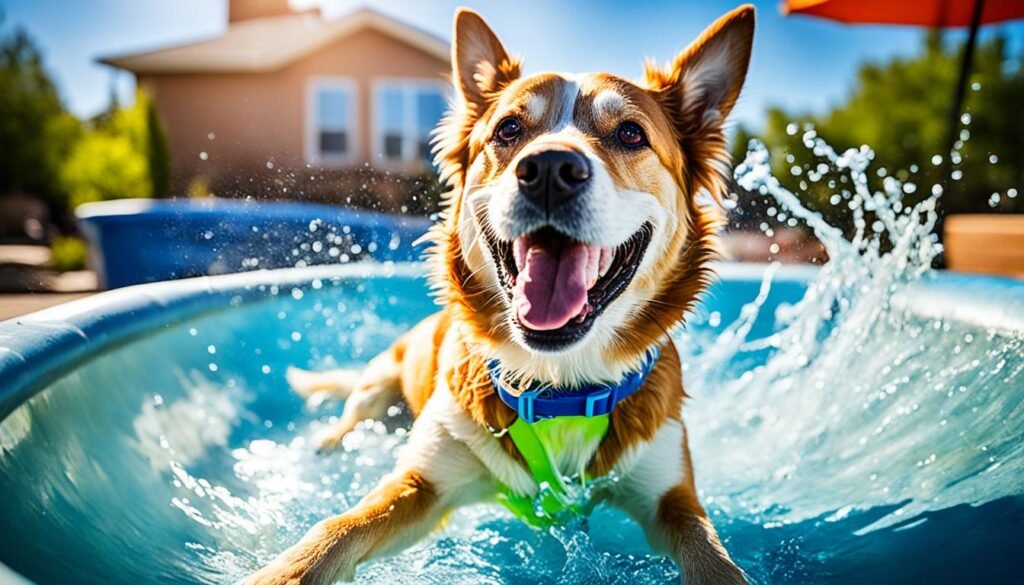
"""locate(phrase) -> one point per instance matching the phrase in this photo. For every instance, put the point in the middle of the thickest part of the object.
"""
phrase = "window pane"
(333, 142)
(425, 152)
(392, 109)
(430, 106)
(393, 146)
(332, 109)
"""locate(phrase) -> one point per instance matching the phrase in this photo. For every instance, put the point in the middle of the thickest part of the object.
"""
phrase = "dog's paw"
(317, 387)
(723, 572)
(283, 573)
(328, 441)
(320, 558)
(271, 576)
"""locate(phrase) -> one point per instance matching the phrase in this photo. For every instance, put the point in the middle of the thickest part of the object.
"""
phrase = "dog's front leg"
(692, 540)
(436, 473)
(401, 508)
(658, 491)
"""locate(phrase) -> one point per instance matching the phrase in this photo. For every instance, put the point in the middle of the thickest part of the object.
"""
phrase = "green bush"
(68, 253)
(125, 155)
(105, 166)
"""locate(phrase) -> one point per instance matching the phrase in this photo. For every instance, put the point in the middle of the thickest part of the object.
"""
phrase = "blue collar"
(594, 400)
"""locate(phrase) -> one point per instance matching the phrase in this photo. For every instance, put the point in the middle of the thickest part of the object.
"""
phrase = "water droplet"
(715, 319)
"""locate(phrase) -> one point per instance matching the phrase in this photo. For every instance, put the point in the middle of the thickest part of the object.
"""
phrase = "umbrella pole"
(961, 85)
(945, 179)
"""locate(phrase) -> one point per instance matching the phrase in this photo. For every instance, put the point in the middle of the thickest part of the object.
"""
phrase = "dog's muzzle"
(551, 180)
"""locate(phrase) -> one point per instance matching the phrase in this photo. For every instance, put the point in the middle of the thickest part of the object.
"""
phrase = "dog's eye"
(508, 130)
(631, 134)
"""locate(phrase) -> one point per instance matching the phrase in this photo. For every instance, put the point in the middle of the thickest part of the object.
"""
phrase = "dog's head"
(573, 239)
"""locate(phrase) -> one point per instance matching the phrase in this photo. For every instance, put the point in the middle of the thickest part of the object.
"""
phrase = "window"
(392, 122)
(407, 111)
(331, 114)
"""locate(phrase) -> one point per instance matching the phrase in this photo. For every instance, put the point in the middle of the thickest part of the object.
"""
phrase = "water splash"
(857, 402)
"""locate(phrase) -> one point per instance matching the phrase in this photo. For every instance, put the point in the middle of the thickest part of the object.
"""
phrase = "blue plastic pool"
(148, 436)
(134, 241)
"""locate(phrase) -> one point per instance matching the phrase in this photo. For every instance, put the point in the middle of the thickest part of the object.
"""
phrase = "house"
(289, 104)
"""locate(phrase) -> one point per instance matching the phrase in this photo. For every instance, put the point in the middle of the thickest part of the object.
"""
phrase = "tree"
(36, 132)
(157, 151)
(901, 109)
(47, 152)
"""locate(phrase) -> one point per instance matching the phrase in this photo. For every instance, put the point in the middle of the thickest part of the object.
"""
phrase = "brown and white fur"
(439, 367)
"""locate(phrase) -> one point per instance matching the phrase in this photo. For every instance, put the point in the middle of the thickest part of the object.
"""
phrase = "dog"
(574, 239)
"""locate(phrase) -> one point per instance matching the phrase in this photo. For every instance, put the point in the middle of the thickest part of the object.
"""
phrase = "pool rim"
(38, 348)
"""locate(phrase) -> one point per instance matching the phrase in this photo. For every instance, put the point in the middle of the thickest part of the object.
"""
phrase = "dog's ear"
(700, 87)
(481, 66)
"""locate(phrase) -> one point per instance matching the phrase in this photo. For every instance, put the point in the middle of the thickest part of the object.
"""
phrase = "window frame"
(409, 87)
(314, 156)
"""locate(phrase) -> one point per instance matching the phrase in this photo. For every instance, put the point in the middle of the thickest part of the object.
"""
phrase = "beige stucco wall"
(256, 118)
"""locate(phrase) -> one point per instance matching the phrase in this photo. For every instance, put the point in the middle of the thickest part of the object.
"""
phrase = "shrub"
(125, 155)
(105, 166)
(68, 253)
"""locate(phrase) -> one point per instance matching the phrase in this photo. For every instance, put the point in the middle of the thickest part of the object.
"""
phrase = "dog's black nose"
(552, 177)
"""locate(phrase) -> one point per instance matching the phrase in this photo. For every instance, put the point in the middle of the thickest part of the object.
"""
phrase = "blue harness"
(592, 400)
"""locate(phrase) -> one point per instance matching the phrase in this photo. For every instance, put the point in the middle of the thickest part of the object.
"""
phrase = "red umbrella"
(931, 13)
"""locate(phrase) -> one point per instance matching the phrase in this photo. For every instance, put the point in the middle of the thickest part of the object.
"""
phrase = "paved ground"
(19, 304)
(27, 283)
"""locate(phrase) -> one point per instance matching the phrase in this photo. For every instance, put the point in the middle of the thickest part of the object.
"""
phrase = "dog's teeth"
(607, 254)
(593, 258)
(519, 250)
(586, 310)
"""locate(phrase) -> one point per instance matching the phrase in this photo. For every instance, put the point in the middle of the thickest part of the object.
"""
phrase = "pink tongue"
(552, 284)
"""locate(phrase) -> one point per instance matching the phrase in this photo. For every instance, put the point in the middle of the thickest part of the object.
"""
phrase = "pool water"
(183, 458)
(858, 423)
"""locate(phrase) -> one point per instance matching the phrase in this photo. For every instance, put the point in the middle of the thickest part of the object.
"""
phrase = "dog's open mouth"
(558, 286)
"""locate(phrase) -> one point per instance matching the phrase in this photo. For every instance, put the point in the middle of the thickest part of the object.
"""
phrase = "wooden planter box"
(987, 244)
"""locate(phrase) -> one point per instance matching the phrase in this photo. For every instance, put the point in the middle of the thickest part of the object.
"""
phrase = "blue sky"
(799, 62)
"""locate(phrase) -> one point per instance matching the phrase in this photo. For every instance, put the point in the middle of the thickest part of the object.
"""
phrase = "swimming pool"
(148, 436)
(134, 241)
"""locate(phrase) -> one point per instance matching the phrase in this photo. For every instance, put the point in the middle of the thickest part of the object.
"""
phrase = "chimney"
(249, 9)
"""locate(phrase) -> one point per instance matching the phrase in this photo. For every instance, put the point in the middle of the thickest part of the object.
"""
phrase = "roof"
(266, 44)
